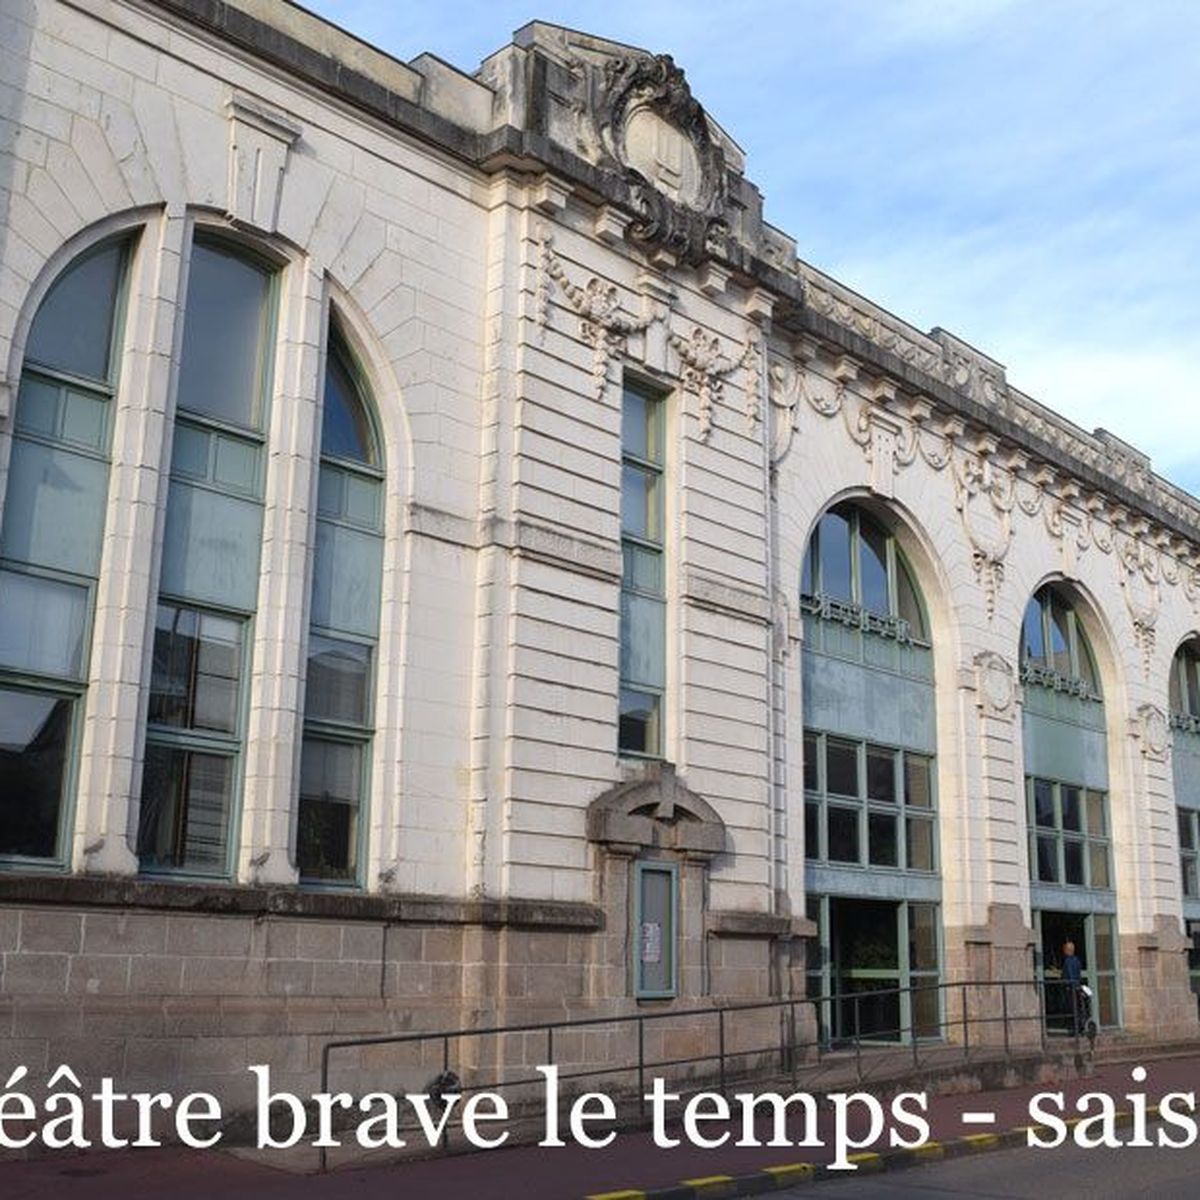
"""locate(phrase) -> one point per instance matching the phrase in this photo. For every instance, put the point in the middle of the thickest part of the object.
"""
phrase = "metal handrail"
(723, 1059)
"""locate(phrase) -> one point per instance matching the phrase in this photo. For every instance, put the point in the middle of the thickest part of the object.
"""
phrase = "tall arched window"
(344, 629)
(873, 874)
(50, 544)
(208, 585)
(1183, 696)
(1066, 785)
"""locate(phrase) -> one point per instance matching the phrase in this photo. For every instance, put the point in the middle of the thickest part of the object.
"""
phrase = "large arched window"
(873, 873)
(208, 585)
(50, 544)
(1183, 700)
(852, 560)
(344, 629)
(1066, 787)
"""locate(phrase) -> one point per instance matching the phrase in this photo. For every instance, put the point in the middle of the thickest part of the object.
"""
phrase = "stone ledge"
(227, 899)
(751, 924)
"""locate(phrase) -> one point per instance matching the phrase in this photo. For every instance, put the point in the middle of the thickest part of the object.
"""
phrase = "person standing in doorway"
(1072, 974)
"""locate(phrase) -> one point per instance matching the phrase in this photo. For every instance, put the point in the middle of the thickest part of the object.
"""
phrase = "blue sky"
(1024, 173)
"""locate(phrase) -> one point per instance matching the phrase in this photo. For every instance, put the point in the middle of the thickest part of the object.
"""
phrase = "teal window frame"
(1184, 688)
(1037, 669)
(1188, 824)
(819, 801)
(669, 943)
(357, 734)
(1061, 836)
(653, 466)
(255, 438)
(72, 688)
(814, 597)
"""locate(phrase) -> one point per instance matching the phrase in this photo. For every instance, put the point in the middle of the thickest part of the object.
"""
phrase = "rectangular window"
(655, 952)
(1189, 848)
(868, 805)
(35, 730)
(1068, 841)
(192, 741)
(643, 582)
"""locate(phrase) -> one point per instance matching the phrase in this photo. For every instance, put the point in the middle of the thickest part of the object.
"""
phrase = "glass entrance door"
(1093, 937)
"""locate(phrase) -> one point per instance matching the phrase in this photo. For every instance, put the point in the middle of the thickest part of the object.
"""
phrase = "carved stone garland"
(603, 324)
(705, 369)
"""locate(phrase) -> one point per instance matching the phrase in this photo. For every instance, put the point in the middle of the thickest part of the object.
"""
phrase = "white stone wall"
(479, 307)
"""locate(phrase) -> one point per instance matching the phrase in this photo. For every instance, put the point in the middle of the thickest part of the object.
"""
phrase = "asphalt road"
(1064, 1174)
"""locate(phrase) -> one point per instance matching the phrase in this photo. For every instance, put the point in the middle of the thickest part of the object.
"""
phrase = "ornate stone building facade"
(459, 564)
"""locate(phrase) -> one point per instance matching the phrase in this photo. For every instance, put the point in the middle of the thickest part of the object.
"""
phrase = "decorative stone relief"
(785, 387)
(705, 369)
(603, 324)
(994, 685)
(904, 429)
(1140, 577)
(260, 139)
(657, 811)
(1154, 732)
(655, 130)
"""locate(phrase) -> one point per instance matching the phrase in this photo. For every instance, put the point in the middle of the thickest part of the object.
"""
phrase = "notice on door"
(652, 941)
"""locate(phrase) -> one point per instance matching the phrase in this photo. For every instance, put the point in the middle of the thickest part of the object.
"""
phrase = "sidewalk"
(632, 1162)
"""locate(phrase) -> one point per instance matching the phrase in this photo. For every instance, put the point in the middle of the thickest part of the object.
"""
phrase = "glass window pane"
(841, 767)
(1105, 950)
(843, 834)
(920, 844)
(656, 937)
(43, 624)
(1032, 636)
(212, 546)
(926, 1010)
(812, 835)
(834, 546)
(54, 508)
(1073, 862)
(1188, 870)
(922, 937)
(1098, 863)
(72, 331)
(331, 491)
(1186, 834)
(1043, 803)
(881, 774)
(347, 575)
(363, 497)
(872, 568)
(185, 807)
(1087, 664)
(235, 464)
(881, 832)
(1072, 812)
(639, 726)
(85, 420)
(908, 603)
(34, 734)
(641, 426)
(330, 789)
(38, 405)
(1175, 686)
(1096, 824)
(1106, 1000)
(643, 568)
(189, 451)
(1060, 637)
(918, 783)
(196, 678)
(221, 367)
(1047, 859)
(811, 775)
(338, 682)
(643, 640)
(641, 503)
(345, 428)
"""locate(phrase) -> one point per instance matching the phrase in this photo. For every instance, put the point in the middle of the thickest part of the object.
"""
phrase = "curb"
(777, 1178)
